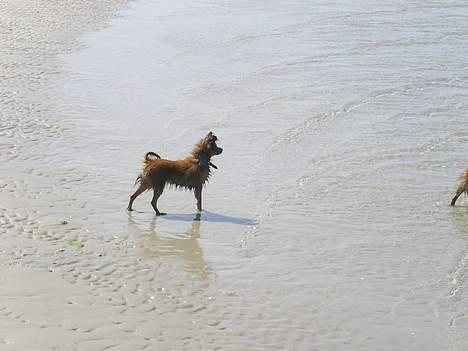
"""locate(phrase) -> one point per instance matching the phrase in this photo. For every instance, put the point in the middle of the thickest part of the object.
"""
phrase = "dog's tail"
(462, 186)
(151, 156)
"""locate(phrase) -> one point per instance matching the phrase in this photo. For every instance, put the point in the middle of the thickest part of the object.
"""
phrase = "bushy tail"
(462, 186)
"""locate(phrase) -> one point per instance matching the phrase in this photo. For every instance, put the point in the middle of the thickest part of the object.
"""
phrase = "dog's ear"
(211, 137)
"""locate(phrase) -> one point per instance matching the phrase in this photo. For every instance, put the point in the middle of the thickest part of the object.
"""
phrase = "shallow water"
(327, 225)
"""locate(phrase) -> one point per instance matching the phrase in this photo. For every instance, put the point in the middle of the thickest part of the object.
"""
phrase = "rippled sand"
(327, 225)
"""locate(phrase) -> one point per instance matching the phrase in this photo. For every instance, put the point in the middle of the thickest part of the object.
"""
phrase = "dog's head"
(210, 146)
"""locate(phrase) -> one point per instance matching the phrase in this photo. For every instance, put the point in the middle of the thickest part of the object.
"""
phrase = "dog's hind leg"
(459, 191)
(454, 199)
(198, 196)
(462, 188)
(157, 191)
(142, 188)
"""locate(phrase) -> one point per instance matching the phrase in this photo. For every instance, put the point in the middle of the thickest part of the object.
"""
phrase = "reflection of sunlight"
(184, 246)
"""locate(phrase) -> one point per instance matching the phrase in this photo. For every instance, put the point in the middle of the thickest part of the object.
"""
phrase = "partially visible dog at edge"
(462, 186)
(190, 173)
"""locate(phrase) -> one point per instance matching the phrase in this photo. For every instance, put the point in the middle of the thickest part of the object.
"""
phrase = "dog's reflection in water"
(184, 246)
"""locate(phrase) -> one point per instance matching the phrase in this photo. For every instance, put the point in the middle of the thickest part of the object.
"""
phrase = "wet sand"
(327, 225)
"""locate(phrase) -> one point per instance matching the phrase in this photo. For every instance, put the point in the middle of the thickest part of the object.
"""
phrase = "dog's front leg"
(198, 196)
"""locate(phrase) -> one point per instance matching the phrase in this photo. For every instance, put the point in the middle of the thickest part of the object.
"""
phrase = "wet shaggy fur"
(462, 186)
(190, 173)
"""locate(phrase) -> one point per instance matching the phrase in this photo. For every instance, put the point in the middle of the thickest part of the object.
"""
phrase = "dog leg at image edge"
(462, 186)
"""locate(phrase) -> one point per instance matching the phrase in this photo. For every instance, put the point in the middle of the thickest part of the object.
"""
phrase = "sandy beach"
(327, 225)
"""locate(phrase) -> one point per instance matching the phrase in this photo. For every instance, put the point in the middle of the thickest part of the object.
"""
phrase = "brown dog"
(462, 186)
(191, 173)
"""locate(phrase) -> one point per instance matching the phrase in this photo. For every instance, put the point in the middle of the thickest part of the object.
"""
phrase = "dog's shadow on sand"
(207, 216)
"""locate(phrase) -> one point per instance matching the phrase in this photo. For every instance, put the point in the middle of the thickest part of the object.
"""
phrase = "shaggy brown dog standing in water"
(462, 186)
(190, 173)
